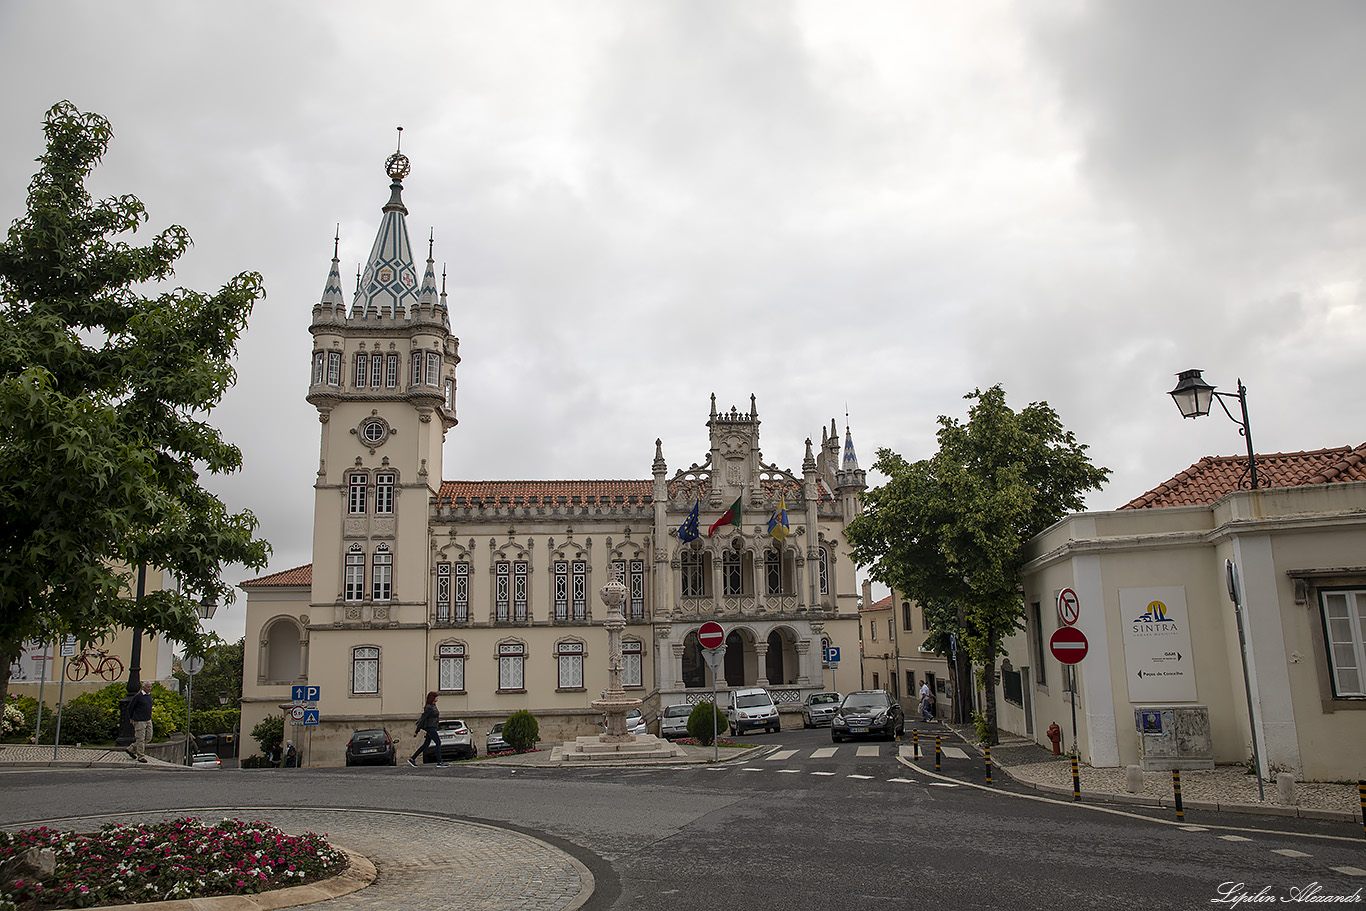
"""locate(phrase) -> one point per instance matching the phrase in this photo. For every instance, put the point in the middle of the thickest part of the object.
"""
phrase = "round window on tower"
(373, 431)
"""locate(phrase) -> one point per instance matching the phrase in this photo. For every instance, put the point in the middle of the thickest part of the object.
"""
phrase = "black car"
(371, 746)
(867, 713)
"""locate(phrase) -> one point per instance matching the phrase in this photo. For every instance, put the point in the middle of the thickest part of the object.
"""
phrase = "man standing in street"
(140, 713)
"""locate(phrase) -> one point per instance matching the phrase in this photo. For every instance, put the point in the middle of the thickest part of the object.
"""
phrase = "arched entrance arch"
(735, 659)
(694, 668)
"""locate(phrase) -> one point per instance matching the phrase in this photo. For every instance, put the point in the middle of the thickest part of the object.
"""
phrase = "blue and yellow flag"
(688, 530)
(777, 523)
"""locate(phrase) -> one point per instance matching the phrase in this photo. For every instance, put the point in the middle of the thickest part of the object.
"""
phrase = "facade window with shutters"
(732, 574)
(384, 494)
(376, 370)
(569, 656)
(824, 571)
(462, 592)
(520, 571)
(578, 589)
(511, 667)
(334, 365)
(502, 591)
(364, 670)
(355, 573)
(693, 578)
(391, 371)
(362, 372)
(561, 594)
(356, 494)
(1344, 626)
(450, 667)
(635, 591)
(382, 574)
(443, 591)
(632, 655)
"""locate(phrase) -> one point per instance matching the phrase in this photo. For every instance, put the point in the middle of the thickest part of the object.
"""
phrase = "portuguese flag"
(730, 517)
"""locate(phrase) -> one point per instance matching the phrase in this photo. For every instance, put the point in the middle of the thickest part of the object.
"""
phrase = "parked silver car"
(494, 742)
(819, 708)
(456, 741)
(635, 722)
(674, 722)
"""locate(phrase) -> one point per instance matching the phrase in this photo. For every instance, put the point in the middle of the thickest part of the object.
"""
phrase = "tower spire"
(389, 283)
(332, 291)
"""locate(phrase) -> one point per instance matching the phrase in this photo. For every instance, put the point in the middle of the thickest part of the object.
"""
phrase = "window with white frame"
(391, 371)
(450, 395)
(632, 653)
(520, 600)
(1344, 625)
(450, 667)
(561, 593)
(824, 571)
(618, 570)
(443, 591)
(364, 670)
(502, 591)
(384, 494)
(578, 589)
(692, 577)
(334, 368)
(362, 371)
(732, 575)
(355, 573)
(382, 574)
(376, 370)
(319, 367)
(433, 369)
(569, 656)
(356, 499)
(773, 572)
(635, 591)
(416, 378)
(511, 666)
(462, 592)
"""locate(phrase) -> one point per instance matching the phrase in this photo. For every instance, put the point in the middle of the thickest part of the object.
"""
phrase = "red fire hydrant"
(1055, 735)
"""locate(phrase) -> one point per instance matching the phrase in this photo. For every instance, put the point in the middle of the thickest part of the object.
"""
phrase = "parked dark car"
(867, 713)
(456, 742)
(371, 746)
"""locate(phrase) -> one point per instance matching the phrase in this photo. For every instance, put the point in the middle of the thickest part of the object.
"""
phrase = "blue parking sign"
(832, 654)
(304, 693)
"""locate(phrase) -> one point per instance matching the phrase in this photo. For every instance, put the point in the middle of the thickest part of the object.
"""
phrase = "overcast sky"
(862, 205)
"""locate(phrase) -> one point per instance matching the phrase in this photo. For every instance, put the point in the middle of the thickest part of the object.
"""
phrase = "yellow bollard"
(988, 765)
(936, 752)
(1076, 779)
(1176, 791)
(915, 744)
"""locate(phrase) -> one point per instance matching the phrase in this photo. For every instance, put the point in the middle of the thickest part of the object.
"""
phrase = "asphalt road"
(795, 828)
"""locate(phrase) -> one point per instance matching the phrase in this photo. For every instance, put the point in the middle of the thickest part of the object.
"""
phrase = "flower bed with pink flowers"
(182, 858)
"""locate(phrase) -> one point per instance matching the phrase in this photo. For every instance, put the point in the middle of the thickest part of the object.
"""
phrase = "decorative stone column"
(615, 703)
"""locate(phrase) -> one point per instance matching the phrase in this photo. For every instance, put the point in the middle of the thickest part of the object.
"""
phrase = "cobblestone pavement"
(1226, 787)
(422, 861)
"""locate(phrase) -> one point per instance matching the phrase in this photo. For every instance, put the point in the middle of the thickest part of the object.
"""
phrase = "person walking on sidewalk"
(426, 723)
(140, 713)
(926, 703)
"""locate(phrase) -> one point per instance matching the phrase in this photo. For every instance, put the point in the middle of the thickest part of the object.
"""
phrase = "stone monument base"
(591, 749)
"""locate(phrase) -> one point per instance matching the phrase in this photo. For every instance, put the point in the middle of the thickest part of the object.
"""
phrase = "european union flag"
(777, 523)
(688, 530)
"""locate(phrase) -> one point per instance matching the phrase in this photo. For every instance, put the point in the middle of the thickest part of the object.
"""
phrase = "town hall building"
(486, 591)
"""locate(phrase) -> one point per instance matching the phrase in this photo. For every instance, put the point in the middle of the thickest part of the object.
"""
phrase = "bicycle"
(108, 667)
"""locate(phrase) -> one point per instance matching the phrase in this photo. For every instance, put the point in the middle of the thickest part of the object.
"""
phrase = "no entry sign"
(711, 635)
(1068, 645)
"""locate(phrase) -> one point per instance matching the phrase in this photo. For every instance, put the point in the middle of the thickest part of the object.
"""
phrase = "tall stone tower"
(383, 381)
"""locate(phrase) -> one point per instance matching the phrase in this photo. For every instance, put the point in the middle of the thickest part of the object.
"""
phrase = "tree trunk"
(989, 685)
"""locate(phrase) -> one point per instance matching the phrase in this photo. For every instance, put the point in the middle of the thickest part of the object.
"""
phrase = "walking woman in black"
(427, 725)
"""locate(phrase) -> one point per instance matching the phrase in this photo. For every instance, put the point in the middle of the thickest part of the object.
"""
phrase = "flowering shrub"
(182, 858)
(12, 720)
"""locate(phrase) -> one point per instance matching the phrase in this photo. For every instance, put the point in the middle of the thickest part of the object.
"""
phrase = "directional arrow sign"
(1068, 645)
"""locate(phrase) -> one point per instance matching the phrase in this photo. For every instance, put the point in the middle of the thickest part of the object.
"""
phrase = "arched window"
(694, 668)
(693, 578)
(773, 571)
(732, 573)
(362, 371)
(382, 574)
(824, 571)
(281, 661)
(355, 573)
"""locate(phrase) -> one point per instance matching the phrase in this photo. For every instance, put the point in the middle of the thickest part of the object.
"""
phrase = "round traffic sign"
(297, 713)
(711, 635)
(1069, 607)
(1068, 644)
(192, 664)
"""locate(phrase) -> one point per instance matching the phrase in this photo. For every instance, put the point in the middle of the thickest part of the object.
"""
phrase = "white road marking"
(822, 773)
(953, 752)
(788, 771)
(1290, 852)
(751, 769)
(824, 752)
(1234, 838)
(781, 755)
(1349, 871)
(870, 750)
(859, 777)
(1194, 829)
(943, 784)
(902, 780)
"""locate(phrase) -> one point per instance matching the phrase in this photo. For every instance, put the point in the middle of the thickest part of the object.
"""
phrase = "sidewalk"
(25, 754)
(1226, 787)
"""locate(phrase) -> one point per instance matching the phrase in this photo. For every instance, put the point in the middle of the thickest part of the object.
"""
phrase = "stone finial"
(613, 594)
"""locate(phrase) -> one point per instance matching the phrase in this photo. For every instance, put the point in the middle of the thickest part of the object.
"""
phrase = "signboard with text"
(1157, 644)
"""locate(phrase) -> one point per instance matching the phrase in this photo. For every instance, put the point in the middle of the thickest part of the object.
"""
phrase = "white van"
(751, 709)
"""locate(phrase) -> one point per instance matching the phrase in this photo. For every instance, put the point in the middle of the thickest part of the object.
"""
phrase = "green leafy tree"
(221, 674)
(521, 731)
(700, 721)
(951, 529)
(101, 393)
(269, 734)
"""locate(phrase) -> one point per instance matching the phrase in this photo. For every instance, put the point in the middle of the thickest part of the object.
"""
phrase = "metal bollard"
(1176, 791)
(988, 749)
(937, 752)
(1076, 780)
(915, 744)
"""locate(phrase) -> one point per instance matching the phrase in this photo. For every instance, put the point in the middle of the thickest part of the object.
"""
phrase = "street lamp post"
(1193, 397)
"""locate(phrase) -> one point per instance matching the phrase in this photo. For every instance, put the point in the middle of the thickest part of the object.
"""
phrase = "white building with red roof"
(486, 591)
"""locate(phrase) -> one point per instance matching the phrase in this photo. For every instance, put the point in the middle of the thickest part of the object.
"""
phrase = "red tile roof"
(548, 493)
(878, 605)
(1214, 476)
(299, 575)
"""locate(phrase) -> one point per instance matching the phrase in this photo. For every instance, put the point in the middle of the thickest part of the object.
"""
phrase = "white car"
(751, 709)
(635, 722)
(206, 761)
(674, 722)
